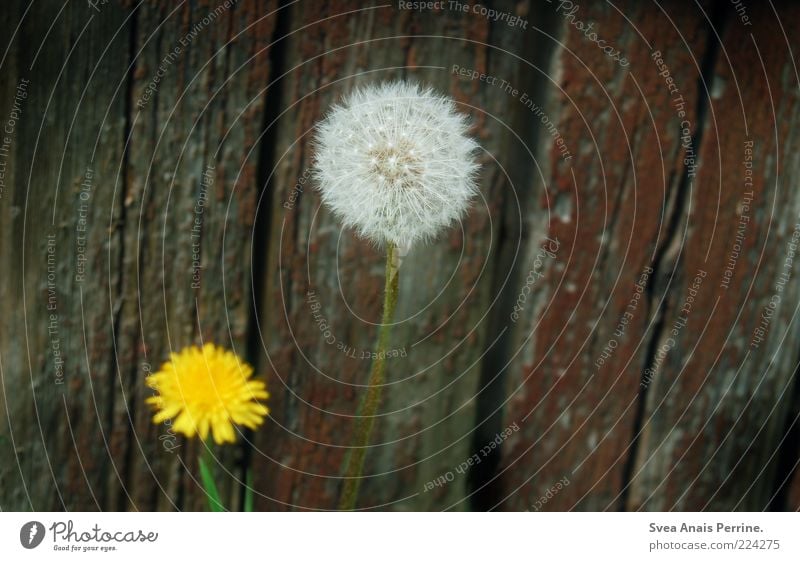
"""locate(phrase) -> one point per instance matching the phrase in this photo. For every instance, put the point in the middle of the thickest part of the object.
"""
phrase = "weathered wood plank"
(717, 407)
(317, 271)
(574, 381)
(197, 102)
(194, 107)
(68, 146)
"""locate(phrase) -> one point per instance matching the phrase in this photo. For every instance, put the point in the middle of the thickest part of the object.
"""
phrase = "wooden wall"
(618, 311)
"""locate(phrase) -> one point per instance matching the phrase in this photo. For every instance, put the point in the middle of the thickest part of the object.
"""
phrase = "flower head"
(207, 388)
(394, 162)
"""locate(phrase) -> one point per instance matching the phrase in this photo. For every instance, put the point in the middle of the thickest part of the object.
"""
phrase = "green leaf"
(214, 502)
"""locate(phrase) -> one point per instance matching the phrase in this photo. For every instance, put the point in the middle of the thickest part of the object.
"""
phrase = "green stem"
(369, 406)
(206, 460)
(249, 492)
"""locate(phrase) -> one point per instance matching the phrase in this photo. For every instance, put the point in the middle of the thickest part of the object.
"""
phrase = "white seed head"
(394, 161)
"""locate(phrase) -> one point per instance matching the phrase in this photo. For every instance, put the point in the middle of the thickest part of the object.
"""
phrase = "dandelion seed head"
(394, 162)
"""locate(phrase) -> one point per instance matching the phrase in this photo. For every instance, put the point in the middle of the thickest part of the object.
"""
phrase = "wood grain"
(157, 193)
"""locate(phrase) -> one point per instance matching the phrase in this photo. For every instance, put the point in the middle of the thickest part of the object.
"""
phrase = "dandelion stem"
(206, 460)
(369, 406)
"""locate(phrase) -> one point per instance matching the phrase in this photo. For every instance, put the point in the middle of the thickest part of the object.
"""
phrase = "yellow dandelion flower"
(206, 389)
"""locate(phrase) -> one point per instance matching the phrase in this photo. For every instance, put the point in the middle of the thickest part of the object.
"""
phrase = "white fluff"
(394, 162)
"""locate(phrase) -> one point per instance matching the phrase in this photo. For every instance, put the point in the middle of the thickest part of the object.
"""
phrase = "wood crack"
(664, 260)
